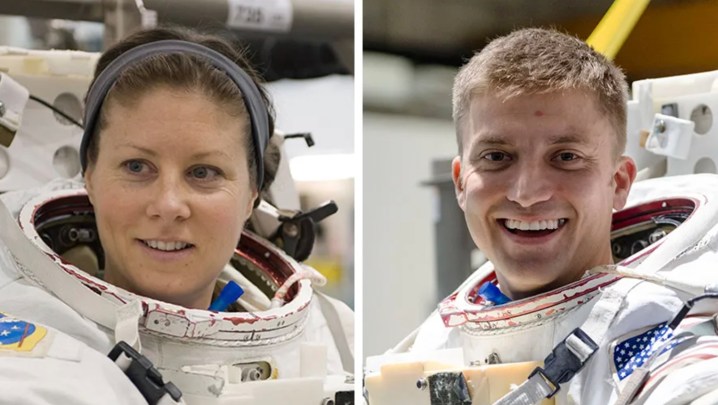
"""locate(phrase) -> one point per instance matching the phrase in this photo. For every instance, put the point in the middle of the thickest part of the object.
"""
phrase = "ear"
(87, 176)
(251, 204)
(458, 182)
(622, 181)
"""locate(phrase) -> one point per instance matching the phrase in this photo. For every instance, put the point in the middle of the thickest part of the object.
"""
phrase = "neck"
(517, 291)
(198, 299)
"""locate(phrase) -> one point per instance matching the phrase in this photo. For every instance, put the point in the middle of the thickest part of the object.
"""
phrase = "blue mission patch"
(19, 335)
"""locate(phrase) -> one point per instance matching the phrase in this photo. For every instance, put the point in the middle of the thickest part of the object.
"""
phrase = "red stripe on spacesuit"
(703, 351)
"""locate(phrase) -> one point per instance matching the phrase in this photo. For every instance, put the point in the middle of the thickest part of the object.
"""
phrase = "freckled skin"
(150, 182)
(532, 157)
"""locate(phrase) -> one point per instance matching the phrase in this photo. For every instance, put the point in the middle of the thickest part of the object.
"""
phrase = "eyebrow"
(498, 140)
(218, 153)
(567, 138)
(199, 155)
(492, 140)
(140, 148)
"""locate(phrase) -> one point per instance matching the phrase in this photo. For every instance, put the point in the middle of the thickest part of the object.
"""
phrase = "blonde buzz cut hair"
(538, 61)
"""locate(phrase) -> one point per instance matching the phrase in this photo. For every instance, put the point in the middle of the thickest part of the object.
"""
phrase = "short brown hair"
(183, 71)
(536, 61)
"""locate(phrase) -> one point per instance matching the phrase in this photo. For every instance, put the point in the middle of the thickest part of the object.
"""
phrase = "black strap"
(563, 363)
(144, 375)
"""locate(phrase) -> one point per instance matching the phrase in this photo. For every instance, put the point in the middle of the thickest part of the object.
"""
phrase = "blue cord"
(490, 292)
(229, 294)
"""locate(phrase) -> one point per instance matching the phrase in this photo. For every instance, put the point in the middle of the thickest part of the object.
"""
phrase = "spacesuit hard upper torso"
(626, 315)
(61, 354)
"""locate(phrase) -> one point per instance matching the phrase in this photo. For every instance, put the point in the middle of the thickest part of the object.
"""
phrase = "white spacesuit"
(667, 235)
(59, 320)
(59, 323)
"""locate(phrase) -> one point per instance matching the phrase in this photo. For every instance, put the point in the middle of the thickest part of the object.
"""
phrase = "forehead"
(172, 118)
(170, 100)
(551, 117)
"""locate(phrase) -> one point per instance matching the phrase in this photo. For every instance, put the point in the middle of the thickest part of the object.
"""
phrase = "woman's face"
(171, 191)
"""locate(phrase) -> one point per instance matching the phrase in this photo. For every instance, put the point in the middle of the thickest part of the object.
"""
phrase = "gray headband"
(258, 115)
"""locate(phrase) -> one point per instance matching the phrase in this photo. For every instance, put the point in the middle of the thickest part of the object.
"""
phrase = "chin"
(527, 290)
(532, 271)
(158, 291)
(534, 279)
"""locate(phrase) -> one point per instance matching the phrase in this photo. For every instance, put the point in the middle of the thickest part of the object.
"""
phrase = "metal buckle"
(144, 375)
(562, 364)
(542, 373)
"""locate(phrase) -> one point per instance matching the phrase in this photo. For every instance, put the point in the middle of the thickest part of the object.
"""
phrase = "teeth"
(166, 246)
(534, 225)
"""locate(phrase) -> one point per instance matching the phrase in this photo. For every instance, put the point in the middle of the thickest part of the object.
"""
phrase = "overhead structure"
(616, 25)
(319, 19)
(316, 21)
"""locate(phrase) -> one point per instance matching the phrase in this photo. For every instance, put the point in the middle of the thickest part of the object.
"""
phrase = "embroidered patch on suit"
(19, 336)
(631, 353)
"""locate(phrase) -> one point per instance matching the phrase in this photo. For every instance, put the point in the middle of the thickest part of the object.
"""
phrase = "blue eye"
(200, 172)
(134, 166)
(204, 173)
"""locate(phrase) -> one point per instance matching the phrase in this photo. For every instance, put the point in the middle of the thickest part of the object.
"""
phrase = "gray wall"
(398, 272)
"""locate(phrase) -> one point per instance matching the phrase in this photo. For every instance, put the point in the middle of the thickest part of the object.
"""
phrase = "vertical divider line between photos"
(358, 203)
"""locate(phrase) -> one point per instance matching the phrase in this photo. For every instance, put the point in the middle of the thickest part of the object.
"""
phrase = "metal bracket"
(448, 388)
(297, 233)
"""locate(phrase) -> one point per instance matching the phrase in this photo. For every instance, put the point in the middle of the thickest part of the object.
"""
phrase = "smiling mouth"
(533, 228)
(162, 246)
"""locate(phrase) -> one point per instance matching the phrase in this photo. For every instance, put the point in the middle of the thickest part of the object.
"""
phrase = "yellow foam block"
(487, 384)
(396, 383)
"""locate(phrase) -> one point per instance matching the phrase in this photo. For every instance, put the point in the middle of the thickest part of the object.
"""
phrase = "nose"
(530, 184)
(169, 200)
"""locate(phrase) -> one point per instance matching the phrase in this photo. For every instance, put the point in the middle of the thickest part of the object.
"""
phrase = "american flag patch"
(631, 353)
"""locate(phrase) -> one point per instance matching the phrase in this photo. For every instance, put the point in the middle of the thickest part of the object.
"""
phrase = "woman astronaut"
(175, 142)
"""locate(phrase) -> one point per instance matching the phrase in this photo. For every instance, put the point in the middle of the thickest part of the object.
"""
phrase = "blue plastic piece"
(230, 293)
(490, 292)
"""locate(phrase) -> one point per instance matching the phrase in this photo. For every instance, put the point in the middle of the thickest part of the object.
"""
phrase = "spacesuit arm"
(48, 367)
(340, 320)
(689, 376)
(707, 399)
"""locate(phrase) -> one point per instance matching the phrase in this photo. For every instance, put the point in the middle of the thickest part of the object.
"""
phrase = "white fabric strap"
(605, 311)
(337, 330)
(579, 348)
(45, 272)
(536, 388)
(633, 384)
(531, 392)
(127, 326)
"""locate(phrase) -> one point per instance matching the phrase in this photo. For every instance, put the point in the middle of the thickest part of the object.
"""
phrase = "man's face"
(537, 181)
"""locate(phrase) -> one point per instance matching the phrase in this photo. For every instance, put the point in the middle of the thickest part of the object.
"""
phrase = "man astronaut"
(541, 126)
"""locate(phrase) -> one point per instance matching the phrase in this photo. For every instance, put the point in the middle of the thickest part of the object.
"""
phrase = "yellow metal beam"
(670, 39)
(617, 23)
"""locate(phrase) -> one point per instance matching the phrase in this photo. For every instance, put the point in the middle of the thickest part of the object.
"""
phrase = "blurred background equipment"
(418, 252)
(303, 48)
